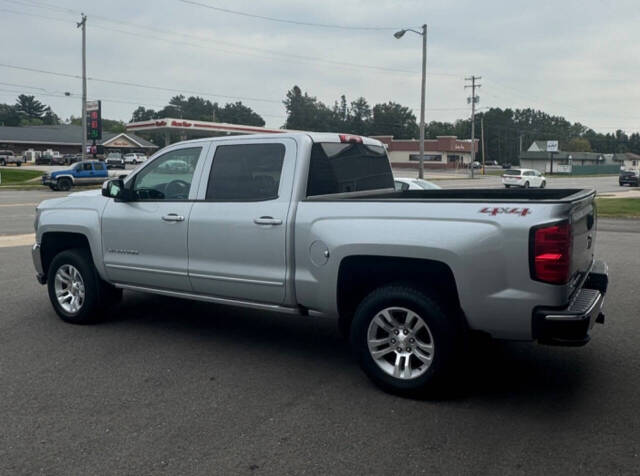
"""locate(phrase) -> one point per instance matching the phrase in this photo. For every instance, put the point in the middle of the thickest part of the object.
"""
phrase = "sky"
(574, 58)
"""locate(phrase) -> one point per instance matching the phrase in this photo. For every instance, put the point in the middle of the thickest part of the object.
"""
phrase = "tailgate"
(583, 231)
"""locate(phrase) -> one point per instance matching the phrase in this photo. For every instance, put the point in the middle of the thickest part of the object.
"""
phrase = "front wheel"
(18, 164)
(3, 162)
(77, 293)
(404, 340)
(543, 184)
(64, 184)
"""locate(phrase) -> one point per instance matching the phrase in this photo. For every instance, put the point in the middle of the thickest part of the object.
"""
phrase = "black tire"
(507, 186)
(2, 162)
(526, 185)
(446, 330)
(543, 184)
(18, 164)
(99, 296)
(64, 184)
(134, 162)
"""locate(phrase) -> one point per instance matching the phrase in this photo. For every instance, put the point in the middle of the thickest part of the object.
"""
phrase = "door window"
(87, 167)
(98, 166)
(246, 172)
(168, 177)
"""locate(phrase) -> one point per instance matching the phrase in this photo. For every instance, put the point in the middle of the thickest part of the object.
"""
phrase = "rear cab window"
(338, 167)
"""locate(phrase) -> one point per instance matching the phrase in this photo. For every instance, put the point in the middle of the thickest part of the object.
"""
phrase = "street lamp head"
(399, 34)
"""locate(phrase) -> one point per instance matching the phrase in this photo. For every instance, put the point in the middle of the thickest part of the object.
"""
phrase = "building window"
(427, 157)
(454, 158)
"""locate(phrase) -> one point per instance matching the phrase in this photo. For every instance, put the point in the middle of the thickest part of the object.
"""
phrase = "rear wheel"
(404, 340)
(64, 184)
(3, 162)
(18, 164)
(77, 293)
(543, 184)
(507, 186)
(526, 185)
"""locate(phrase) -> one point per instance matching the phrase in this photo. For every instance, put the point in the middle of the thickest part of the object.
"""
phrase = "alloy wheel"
(69, 288)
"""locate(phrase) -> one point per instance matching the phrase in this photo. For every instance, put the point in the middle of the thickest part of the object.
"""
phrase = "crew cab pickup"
(8, 157)
(88, 172)
(310, 224)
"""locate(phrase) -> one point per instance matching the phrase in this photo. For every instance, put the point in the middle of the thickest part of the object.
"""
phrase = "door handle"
(267, 221)
(173, 217)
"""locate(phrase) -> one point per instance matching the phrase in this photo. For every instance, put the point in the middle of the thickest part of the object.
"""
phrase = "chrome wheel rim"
(400, 343)
(69, 288)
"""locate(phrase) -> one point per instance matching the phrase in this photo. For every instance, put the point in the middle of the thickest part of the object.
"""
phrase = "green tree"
(30, 107)
(359, 117)
(393, 119)
(143, 114)
(579, 144)
(238, 113)
(305, 112)
(9, 115)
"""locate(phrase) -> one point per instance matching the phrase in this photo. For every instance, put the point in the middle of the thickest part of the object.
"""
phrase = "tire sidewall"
(64, 184)
(81, 260)
(443, 331)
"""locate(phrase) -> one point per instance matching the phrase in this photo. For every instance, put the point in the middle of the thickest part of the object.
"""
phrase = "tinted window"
(168, 177)
(347, 167)
(87, 166)
(98, 166)
(512, 172)
(246, 172)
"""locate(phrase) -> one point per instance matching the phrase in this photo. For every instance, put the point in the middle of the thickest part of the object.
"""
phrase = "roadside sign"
(94, 120)
(552, 146)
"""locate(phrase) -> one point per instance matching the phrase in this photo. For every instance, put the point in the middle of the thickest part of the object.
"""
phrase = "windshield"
(348, 167)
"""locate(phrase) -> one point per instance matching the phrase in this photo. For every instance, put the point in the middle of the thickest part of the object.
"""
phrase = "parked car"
(506, 165)
(629, 177)
(475, 164)
(69, 159)
(89, 172)
(309, 224)
(523, 178)
(114, 160)
(44, 159)
(402, 183)
(7, 157)
(134, 158)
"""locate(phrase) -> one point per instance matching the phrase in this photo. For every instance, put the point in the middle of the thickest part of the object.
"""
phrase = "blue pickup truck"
(89, 172)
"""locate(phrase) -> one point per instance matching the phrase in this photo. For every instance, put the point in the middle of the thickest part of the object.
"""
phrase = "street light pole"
(83, 24)
(423, 33)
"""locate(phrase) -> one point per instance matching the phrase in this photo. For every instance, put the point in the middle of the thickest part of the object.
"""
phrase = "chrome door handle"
(267, 221)
(173, 217)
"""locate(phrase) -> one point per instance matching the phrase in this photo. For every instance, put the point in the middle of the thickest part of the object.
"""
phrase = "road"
(174, 387)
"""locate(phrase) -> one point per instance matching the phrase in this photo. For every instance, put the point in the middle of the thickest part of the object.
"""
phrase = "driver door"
(145, 240)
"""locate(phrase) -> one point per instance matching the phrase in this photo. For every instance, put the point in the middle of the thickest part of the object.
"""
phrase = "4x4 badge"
(493, 211)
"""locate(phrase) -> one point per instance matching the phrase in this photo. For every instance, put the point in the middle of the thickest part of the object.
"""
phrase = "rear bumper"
(571, 325)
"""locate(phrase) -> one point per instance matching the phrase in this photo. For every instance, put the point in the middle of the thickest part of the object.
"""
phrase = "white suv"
(523, 178)
(134, 158)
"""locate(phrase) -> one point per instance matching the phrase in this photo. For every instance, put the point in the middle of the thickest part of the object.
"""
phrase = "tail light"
(551, 253)
(350, 138)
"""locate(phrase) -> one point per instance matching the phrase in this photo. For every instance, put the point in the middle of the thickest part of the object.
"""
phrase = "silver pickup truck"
(310, 224)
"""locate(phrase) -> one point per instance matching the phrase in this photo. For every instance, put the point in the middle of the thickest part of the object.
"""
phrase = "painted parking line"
(17, 240)
(4, 205)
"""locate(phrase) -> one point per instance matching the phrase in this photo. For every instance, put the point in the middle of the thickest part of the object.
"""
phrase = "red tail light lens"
(350, 138)
(551, 253)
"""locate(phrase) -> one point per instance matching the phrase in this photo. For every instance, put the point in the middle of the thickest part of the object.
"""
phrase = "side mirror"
(114, 188)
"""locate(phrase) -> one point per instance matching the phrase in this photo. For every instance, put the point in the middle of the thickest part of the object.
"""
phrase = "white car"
(402, 184)
(134, 158)
(524, 178)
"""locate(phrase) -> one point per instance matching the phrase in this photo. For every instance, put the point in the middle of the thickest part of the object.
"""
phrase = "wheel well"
(54, 242)
(360, 275)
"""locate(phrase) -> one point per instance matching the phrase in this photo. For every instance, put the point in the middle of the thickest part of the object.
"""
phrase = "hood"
(86, 193)
(61, 172)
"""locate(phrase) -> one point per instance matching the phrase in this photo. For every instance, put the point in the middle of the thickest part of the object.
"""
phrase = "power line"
(292, 22)
(237, 47)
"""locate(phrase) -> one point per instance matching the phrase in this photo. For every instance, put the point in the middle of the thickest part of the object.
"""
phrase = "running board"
(217, 300)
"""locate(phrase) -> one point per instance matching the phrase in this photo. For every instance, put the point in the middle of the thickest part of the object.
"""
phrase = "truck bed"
(557, 195)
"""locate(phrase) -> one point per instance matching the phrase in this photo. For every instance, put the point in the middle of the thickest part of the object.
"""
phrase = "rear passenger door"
(238, 229)
(100, 172)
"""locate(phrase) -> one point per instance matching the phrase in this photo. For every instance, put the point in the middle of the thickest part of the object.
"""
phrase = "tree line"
(505, 130)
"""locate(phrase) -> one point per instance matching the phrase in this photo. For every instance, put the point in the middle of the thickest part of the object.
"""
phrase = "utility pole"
(482, 140)
(473, 100)
(83, 24)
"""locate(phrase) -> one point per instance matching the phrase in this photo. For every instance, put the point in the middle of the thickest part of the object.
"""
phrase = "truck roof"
(315, 137)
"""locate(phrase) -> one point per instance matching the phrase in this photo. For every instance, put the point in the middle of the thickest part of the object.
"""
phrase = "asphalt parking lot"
(171, 387)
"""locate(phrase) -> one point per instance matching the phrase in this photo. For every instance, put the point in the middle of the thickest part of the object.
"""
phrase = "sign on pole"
(552, 146)
(94, 120)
